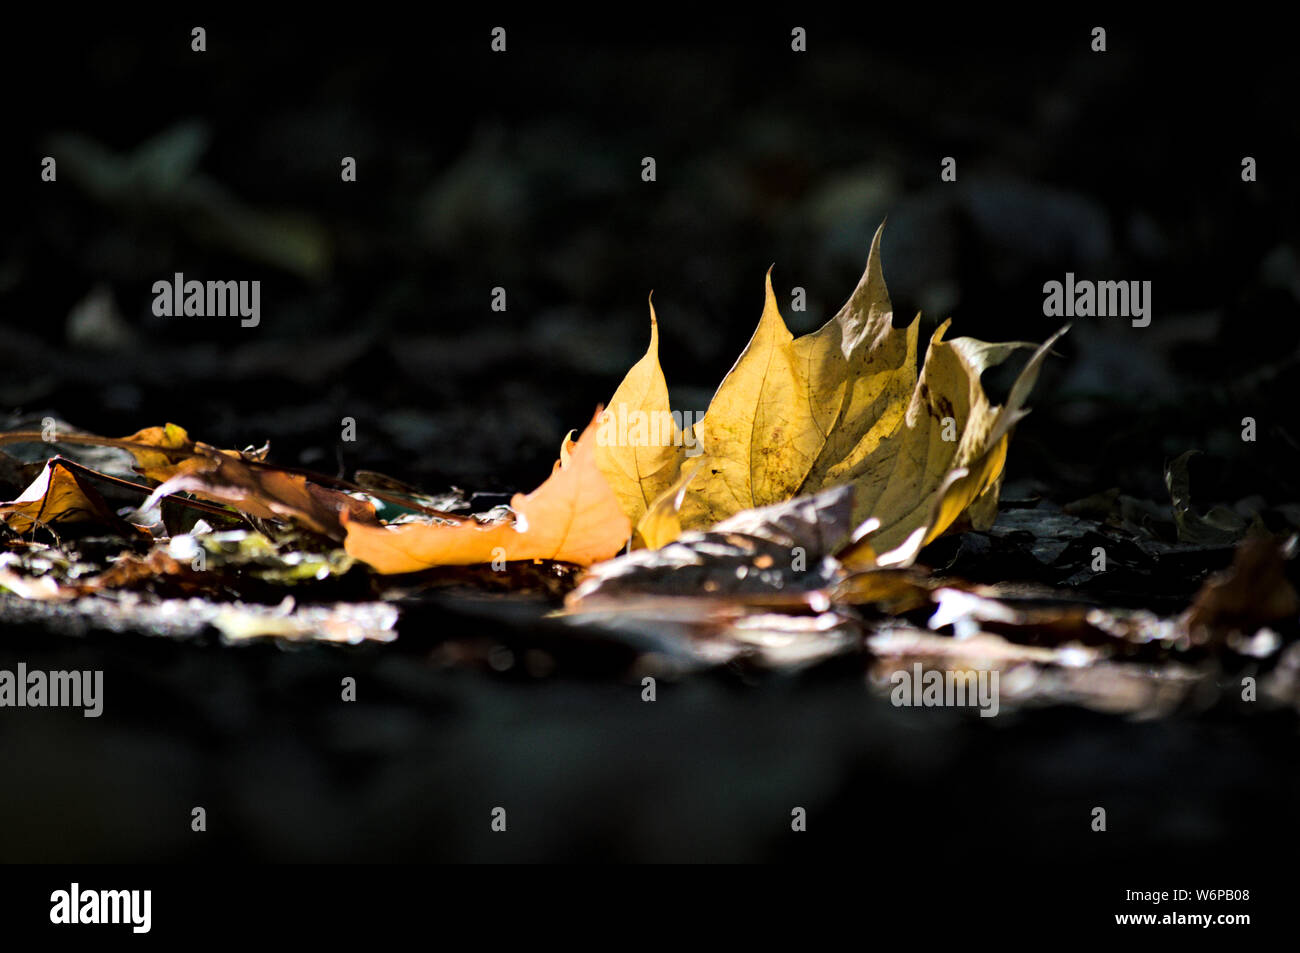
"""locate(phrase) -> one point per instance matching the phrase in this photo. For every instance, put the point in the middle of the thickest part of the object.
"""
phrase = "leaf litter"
(837, 504)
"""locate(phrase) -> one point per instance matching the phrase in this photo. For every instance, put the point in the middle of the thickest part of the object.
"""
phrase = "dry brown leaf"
(240, 480)
(1253, 592)
(265, 493)
(61, 496)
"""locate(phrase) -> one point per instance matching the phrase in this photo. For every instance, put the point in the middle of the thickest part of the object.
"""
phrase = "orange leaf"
(573, 517)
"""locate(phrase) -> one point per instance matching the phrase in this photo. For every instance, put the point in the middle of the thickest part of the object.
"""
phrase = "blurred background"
(478, 170)
(522, 170)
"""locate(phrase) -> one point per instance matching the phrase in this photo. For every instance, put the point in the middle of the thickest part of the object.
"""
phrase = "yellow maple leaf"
(662, 523)
(795, 415)
(843, 405)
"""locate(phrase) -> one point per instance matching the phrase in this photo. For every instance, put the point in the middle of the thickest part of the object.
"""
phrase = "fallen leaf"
(574, 516)
(843, 405)
(918, 483)
(797, 415)
(1254, 591)
(265, 493)
(242, 480)
(61, 496)
(662, 523)
(765, 557)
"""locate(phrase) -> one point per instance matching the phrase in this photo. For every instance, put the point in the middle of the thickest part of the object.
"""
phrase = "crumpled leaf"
(752, 589)
(764, 557)
(919, 484)
(265, 493)
(61, 496)
(574, 516)
(816, 525)
(238, 479)
(844, 405)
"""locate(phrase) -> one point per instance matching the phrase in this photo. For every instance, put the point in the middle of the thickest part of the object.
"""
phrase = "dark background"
(522, 170)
